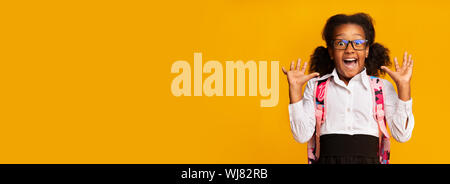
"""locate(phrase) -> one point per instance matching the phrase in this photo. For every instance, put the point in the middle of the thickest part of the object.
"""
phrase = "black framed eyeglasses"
(341, 44)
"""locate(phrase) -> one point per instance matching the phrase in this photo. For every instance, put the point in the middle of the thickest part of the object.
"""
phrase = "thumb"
(312, 75)
(386, 69)
(284, 70)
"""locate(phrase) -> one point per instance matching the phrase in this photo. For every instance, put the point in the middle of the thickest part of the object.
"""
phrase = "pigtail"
(321, 61)
(378, 56)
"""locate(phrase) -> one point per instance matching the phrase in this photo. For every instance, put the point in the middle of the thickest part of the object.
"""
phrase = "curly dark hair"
(378, 54)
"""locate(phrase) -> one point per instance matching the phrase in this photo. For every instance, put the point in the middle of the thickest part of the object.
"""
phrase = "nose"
(349, 48)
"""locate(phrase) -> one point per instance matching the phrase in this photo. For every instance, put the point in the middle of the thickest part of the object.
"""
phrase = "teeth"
(349, 59)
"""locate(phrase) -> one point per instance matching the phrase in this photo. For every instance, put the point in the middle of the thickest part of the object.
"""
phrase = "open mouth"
(350, 63)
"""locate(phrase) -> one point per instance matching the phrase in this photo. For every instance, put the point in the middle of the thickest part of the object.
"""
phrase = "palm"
(296, 76)
(401, 74)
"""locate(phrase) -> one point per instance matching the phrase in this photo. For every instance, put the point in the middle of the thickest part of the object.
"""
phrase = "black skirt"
(348, 149)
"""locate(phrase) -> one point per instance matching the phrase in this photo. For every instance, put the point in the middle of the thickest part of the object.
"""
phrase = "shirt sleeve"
(398, 114)
(301, 115)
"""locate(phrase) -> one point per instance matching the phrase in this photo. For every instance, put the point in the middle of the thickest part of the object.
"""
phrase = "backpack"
(320, 94)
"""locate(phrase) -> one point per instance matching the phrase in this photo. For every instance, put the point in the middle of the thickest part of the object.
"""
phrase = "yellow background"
(89, 81)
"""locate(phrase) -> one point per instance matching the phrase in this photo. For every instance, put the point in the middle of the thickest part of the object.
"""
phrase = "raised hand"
(296, 79)
(402, 75)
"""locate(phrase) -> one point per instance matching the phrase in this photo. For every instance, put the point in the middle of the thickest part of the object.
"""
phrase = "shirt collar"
(362, 77)
(365, 78)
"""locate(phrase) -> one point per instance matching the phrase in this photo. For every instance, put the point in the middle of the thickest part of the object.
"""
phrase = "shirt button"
(348, 109)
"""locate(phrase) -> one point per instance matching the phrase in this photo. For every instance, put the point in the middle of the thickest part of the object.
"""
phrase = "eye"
(341, 43)
(359, 42)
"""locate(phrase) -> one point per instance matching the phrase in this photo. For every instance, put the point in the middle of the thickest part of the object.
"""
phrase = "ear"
(367, 51)
(330, 52)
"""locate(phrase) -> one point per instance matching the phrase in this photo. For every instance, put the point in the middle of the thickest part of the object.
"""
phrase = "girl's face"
(349, 62)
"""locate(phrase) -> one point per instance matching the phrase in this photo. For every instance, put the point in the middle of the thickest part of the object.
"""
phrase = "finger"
(298, 64)
(409, 60)
(387, 70)
(409, 69)
(312, 75)
(405, 59)
(411, 64)
(284, 70)
(292, 65)
(397, 68)
(304, 67)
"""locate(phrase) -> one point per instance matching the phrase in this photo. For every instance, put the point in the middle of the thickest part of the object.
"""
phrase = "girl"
(350, 132)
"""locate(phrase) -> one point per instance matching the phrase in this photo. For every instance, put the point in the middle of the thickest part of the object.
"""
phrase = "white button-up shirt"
(350, 110)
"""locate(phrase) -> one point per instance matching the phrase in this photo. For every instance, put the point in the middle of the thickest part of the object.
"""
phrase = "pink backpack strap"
(320, 94)
(378, 101)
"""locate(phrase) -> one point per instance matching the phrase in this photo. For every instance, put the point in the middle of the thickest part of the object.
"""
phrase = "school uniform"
(350, 132)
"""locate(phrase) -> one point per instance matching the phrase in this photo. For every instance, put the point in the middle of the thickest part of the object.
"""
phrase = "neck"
(346, 80)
